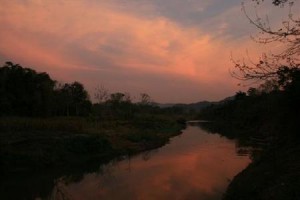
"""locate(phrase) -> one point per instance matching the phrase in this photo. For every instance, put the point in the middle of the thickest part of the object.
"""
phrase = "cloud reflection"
(196, 165)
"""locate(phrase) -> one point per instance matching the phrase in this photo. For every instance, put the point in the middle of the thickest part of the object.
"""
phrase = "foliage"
(145, 99)
(270, 113)
(271, 110)
(25, 92)
(101, 94)
(267, 119)
(72, 100)
(46, 124)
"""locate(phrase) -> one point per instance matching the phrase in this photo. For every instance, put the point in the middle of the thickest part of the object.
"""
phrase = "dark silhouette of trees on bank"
(72, 100)
(25, 92)
(268, 114)
(272, 109)
(101, 94)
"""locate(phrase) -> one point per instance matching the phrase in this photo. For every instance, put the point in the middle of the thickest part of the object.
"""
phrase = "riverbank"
(29, 144)
(274, 171)
(275, 175)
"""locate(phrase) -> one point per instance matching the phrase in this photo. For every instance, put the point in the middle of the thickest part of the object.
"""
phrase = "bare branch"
(268, 64)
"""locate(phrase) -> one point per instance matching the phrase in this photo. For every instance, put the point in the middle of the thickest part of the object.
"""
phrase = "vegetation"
(24, 92)
(267, 115)
(44, 124)
(267, 119)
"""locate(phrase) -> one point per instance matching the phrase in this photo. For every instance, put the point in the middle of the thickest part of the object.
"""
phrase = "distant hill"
(195, 106)
(198, 106)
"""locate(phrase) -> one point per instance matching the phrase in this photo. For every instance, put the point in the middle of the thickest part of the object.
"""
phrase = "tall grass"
(42, 124)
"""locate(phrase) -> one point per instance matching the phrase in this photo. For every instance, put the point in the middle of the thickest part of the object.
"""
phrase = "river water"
(194, 165)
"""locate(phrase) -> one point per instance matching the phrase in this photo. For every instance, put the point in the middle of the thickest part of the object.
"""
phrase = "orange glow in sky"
(176, 51)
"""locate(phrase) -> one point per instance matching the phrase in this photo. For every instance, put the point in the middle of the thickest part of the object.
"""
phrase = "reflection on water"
(195, 165)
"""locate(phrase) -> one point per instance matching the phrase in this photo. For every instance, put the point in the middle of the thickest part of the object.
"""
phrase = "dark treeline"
(27, 93)
(35, 109)
(271, 111)
(267, 119)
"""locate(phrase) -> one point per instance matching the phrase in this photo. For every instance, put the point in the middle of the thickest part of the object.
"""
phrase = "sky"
(177, 51)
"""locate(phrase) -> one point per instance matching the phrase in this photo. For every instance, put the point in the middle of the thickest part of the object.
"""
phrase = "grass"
(36, 144)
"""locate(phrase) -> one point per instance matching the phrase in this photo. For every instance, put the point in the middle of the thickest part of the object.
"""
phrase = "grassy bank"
(38, 144)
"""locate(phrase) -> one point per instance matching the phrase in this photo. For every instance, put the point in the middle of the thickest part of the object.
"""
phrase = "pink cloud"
(69, 38)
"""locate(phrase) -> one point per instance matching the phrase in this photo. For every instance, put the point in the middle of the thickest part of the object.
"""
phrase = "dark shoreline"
(275, 175)
(73, 154)
(275, 169)
(37, 150)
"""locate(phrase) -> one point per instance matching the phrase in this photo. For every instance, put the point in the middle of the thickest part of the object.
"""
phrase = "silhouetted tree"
(145, 99)
(268, 65)
(120, 104)
(24, 91)
(240, 95)
(101, 94)
(117, 98)
(73, 99)
(252, 92)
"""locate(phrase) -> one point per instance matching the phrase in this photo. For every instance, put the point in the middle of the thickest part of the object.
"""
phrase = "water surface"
(194, 165)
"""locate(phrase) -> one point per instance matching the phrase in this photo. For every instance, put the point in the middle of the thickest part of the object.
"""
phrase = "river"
(194, 165)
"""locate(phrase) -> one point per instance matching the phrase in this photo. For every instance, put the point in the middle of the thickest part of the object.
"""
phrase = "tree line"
(25, 92)
(271, 110)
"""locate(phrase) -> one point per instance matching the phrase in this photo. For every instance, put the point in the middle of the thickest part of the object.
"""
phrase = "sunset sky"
(174, 50)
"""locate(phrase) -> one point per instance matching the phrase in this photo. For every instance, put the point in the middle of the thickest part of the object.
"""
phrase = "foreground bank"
(29, 144)
(276, 175)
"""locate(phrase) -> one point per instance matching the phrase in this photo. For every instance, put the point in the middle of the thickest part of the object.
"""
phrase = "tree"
(101, 94)
(288, 35)
(240, 95)
(24, 91)
(145, 99)
(80, 98)
(268, 86)
(117, 98)
(252, 92)
(73, 99)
